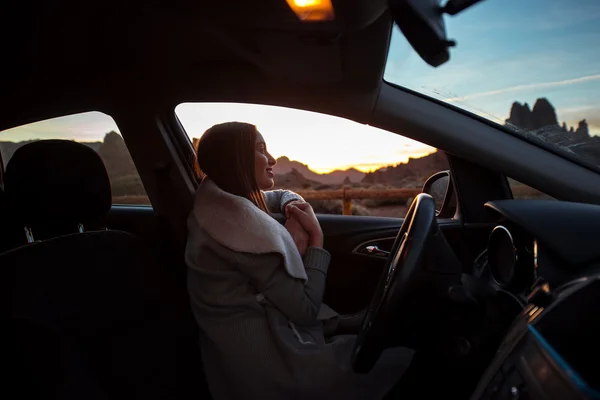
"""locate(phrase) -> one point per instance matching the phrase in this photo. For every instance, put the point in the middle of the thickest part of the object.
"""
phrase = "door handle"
(376, 251)
(371, 247)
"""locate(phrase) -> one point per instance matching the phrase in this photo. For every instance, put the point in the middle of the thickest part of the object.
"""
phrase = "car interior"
(497, 295)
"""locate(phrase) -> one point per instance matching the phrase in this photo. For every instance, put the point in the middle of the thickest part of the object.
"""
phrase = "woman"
(256, 286)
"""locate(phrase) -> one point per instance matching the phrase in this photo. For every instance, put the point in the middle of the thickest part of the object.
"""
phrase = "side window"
(95, 130)
(521, 191)
(338, 165)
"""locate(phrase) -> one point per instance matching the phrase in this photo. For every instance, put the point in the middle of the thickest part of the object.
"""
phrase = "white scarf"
(236, 223)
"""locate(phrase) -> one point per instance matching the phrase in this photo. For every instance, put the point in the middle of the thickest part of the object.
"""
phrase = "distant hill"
(541, 124)
(285, 166)
(294, 180)
(413, 173)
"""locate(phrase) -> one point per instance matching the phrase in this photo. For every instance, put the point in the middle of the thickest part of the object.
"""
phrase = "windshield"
(532, 66)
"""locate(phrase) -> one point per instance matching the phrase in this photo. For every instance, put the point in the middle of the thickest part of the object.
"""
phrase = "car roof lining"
(78, 57)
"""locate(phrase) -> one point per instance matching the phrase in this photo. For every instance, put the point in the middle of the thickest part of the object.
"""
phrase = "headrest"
(56, 181)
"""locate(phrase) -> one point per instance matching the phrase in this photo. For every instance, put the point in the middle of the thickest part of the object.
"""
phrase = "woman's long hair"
(225, 154)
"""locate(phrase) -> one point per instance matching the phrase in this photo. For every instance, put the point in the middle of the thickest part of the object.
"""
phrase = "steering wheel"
(403, 281)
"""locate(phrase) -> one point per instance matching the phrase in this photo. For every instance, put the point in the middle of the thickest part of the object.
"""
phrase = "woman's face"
(263, 164)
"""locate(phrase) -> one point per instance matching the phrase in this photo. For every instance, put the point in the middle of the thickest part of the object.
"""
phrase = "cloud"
(520, 88)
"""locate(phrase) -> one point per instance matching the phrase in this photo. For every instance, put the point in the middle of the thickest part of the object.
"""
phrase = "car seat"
(87, 312)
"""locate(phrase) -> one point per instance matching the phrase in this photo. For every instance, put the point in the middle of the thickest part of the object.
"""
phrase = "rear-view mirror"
(422, 23)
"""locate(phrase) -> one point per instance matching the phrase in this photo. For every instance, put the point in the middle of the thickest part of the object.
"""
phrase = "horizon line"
(373, 167)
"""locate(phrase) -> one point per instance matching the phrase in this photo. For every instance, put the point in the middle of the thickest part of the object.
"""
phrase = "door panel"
(139, 220)
(352, 277)
(145, 224)
(154, 230)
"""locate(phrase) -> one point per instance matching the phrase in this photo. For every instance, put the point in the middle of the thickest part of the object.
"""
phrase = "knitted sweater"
(257, 311)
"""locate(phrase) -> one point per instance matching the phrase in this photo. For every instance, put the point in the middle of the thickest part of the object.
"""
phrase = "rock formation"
(541, 124)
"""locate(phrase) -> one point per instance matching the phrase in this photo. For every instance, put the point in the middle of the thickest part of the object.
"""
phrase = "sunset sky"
(508, 50)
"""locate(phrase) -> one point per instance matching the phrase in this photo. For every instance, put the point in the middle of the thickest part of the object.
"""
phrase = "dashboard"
(509, 261)
(539, 241)
(547, 254)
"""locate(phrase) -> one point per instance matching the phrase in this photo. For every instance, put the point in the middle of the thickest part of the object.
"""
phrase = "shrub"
(129, 185)
(376, 203)
(132, 200)
(326, 187)
(335, 207)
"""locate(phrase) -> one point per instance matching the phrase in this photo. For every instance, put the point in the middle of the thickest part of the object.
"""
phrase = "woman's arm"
(277, 199)
(299, 301)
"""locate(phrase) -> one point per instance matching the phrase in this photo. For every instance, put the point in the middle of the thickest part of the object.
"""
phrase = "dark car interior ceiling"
(90, 55)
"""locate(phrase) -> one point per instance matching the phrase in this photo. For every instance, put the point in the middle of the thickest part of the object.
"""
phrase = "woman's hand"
(305, 215)
(295, 228)
(298, 233)
(289, 204)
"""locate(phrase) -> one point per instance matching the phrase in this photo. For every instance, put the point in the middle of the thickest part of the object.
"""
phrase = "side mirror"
(441, 188)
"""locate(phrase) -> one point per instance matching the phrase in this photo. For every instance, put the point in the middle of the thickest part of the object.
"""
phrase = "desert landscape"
(299, 177)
